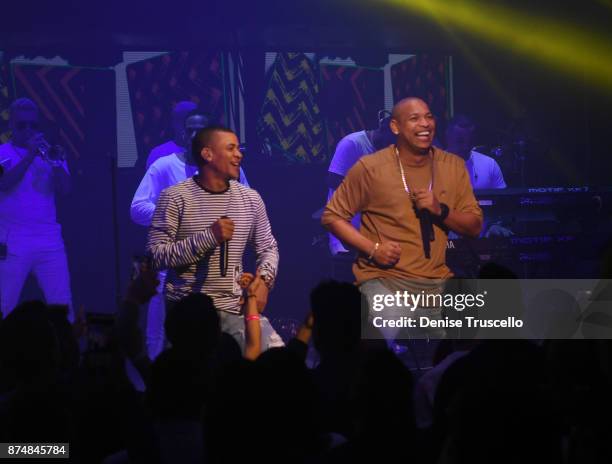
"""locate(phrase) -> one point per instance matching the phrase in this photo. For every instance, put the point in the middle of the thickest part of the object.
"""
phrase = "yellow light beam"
(481, 67)
(498, 88)
(564, 46)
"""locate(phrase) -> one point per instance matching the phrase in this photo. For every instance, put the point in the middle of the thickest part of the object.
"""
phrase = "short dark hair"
(203, 138)
(193, 324)
(397, 108)
(336, 310)
(23, 104)
(197, 111)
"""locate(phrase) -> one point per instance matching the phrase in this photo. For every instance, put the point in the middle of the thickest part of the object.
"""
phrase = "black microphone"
(224, 255)
(427, 231)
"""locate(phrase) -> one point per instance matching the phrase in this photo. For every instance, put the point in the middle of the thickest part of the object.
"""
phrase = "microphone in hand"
(227, 230)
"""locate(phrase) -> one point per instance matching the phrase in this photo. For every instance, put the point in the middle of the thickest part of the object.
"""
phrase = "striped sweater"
(181, 240)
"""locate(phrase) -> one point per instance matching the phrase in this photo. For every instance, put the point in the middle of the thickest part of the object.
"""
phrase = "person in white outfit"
(484, 171)
(30, 236)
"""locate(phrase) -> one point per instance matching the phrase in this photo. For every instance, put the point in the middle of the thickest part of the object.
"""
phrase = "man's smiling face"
(415, 125)
(224, 155)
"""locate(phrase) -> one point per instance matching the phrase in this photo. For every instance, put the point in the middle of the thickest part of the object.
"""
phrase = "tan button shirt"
(374, 187)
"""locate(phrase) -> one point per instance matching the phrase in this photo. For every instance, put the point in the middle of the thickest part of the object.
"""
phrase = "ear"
(206, 154)
(394, 127)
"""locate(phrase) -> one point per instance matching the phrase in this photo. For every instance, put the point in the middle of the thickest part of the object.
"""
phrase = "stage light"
(564, 46)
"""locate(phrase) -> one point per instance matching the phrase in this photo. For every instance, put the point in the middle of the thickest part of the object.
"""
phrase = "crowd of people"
(203, 399)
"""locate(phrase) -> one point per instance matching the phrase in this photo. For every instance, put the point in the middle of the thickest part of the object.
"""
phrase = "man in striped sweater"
(164, 172)
(196, 220)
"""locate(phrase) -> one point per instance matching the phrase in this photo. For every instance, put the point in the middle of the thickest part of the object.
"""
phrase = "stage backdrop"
(352, 97)
(5, 100)
(156, 84)
(291, 123)
(425, 76)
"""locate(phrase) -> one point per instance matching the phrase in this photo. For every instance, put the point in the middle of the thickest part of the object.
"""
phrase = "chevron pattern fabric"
(352, 97)
(59, 93)
(158, 83)
(5, 100)
(291, 120)
(423, 76)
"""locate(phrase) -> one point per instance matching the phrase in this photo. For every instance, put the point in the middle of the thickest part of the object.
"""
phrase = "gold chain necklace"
(406, 188)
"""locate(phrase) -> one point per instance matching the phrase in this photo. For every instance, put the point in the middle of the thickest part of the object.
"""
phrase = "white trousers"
(47, 262)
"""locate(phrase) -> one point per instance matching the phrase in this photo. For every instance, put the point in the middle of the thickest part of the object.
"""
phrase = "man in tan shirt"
(392, 188)
(389, 187)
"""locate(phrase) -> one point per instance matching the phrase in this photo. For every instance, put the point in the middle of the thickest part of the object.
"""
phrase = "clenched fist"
(388, 254)
(223, 229)
(425, 199)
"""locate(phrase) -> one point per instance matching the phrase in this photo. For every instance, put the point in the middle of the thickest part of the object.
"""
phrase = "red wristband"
(252, 317)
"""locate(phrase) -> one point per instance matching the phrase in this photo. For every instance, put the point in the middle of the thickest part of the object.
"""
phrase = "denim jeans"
(233, 324)
(421, 343)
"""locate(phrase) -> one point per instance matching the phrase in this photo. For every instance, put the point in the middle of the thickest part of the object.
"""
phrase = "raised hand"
(144, 286)
(258, 289)
(245, 280)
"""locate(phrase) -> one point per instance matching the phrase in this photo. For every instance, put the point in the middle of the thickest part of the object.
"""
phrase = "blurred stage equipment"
(512, 158)
(555, 230)
(515, 150)
(382, 115)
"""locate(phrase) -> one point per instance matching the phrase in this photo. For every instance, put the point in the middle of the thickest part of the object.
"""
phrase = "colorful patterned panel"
(352, 97)
(157, 84)
(5, 100)
(291, 122)
(423, 76)
(60, 92)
